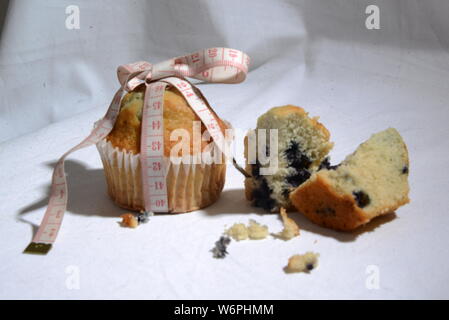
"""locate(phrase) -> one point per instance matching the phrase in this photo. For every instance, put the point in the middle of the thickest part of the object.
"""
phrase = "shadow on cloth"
(4, 5)
(87, 193)
(88, 196)
(233, 201)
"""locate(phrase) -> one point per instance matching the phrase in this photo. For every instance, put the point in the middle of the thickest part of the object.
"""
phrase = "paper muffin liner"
(190, 186)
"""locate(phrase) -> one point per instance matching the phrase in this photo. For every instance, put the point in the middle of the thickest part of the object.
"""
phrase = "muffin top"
(177, 115)
(287, 111)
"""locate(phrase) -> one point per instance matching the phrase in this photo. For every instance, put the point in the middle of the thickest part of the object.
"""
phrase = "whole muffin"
(190, 186)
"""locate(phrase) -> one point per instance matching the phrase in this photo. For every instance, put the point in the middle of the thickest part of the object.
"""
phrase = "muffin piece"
(257, 231)
(302, 144)
(290, 230)
(129, 220)
(238, 232)
(302, 262)
(254, 231)
(189, 186)
(370, 182)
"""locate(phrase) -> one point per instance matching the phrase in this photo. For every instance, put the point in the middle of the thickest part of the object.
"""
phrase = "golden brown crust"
(128, 220)
(177, 115)
(319, 202)
(287, 110)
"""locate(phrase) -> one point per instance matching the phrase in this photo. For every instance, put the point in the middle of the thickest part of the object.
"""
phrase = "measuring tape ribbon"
(215, 65)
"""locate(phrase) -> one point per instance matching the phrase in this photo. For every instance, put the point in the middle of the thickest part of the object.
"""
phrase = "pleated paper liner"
(190, 186)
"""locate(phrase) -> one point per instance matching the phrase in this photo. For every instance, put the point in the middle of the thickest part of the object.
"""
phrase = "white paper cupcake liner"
(189, 186)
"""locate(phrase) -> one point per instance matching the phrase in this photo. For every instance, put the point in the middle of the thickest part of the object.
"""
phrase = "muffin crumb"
(238, 232)
(257, 231)
(254, 231)
(219, 251)
(291, 229)
(144, 216)
(302, 262)
(129, 221)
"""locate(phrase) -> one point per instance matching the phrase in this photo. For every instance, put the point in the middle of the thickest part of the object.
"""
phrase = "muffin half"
(370, 182)
(301, 145)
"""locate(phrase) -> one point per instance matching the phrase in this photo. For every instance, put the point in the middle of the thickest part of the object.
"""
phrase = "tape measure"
(215, 65)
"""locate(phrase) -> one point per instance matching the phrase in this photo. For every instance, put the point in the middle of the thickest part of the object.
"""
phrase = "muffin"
(190, 186)
(302, 145)
(370, 182)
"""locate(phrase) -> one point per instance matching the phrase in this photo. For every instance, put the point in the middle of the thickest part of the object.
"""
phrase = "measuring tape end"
(38, 248)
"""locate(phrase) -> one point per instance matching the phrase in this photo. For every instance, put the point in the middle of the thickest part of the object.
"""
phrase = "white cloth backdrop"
(55, 82)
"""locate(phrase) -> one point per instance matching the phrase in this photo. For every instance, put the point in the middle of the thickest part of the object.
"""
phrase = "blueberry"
(309, 266)
(255, 169)
(143, 217)
(298, 178)
(292, 150)
(361, 198)
(295, 157)
(327, 165)
(405, 170)
(262, 197)
(285, 192)
(302, 162)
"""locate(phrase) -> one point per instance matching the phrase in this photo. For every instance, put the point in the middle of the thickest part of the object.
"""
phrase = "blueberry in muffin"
(370, 182)
(302, 144)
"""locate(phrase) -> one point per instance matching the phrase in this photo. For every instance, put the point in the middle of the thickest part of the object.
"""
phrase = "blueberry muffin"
(302, 145)
(189, 186)
(370, 182)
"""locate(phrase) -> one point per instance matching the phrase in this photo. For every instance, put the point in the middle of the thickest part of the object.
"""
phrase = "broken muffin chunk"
(370, 182)
(302, 262)
(290, 230)
(288, 160)
(129, 220)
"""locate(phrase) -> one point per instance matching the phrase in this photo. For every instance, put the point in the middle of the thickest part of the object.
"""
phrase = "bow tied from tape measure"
(215, 65)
